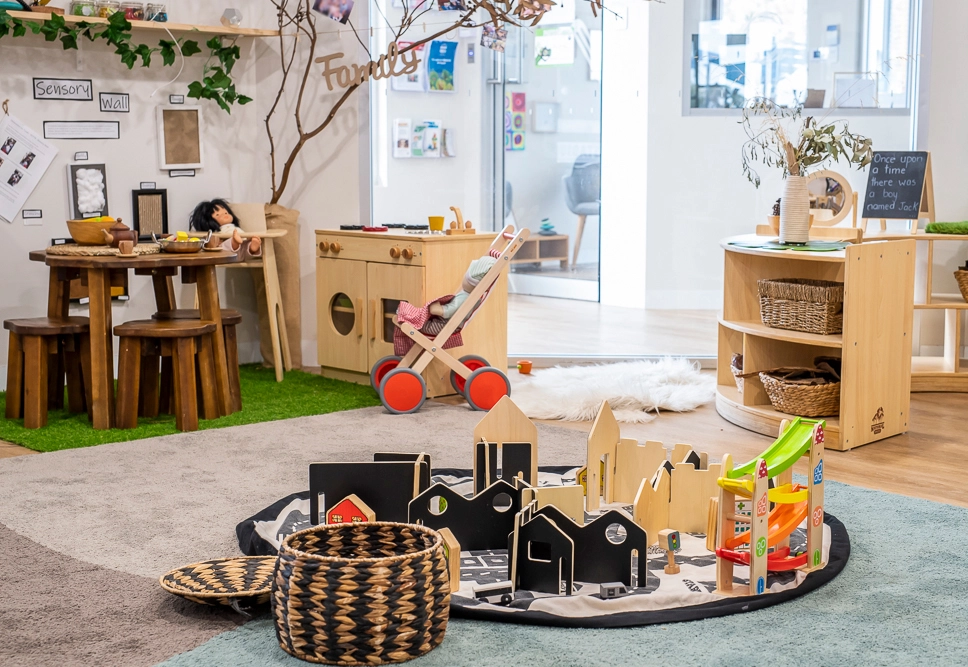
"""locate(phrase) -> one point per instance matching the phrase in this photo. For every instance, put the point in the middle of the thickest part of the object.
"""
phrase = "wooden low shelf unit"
(947, 373)
(878, 315)
(539, 249)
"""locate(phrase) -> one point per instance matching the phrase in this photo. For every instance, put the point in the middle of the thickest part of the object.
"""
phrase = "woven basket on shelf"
(962, 278)
(802, 400)
(811, 306)
(367, 593)
(223, 580)
(736, 366)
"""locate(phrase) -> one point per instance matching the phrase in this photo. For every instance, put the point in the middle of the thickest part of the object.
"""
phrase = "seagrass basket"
(962, 277)
(799, 304)
(369, 593)
(736, 366)
(226, 581)
(802, 400)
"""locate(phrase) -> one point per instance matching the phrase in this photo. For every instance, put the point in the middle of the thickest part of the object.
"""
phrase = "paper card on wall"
(24, 159)
(440, 66)
(401, 137)
(554, 46)
(417, 140)
(417, 81)
(450, 144)
(412, 5)
(432, 138)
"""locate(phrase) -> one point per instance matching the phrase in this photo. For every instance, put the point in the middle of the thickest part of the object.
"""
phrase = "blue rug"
(900, 601)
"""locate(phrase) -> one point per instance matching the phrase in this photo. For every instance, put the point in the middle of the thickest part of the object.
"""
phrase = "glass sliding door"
(545, 153)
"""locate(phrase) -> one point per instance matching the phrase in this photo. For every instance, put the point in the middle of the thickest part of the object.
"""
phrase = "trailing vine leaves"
(216, 84)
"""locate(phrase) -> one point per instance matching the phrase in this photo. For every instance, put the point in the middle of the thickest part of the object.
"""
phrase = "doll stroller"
(398, 380)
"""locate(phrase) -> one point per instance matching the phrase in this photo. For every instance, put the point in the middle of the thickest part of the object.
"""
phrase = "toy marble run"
(764, 547)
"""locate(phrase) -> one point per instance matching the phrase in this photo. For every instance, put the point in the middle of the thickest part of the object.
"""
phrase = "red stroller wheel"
(485, 387)
(402, 391)
(381, 368)
(473, 362)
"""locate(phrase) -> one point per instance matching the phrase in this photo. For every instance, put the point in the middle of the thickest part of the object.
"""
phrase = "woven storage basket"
(811, 306)
(367, 593)
(736, 365)
(802, 400)
(223, 580)
(962, 278)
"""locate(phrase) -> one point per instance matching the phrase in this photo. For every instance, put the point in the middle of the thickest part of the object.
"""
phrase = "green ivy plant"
(216, 84)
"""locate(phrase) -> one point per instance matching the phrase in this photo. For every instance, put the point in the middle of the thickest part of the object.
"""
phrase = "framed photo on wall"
(87, 190)
(180, 137)
(150, 211)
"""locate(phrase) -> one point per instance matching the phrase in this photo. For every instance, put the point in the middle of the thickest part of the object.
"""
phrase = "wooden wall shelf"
(948, 373)
(208, 31)
(878, 316)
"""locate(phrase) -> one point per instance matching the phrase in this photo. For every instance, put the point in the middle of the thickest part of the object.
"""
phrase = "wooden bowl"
(88, 232)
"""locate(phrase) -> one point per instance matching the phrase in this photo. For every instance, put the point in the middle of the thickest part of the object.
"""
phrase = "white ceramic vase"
(795, 211)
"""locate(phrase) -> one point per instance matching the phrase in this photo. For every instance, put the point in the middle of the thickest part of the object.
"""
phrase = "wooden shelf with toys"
(878, 286)
(206, 30)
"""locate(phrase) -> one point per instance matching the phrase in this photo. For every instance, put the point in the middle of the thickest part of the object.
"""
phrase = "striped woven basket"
(224, 581)
(811, 306)
(962, 277)
(369, 593)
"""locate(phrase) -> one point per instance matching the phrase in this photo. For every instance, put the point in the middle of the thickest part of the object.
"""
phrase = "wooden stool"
(180, 340)
(230, 319)
(31, 388)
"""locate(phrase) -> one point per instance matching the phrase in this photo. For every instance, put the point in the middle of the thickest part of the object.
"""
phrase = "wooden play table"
(196, 268)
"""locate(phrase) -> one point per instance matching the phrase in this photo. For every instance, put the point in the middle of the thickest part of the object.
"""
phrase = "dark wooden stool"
(178, 340)
(42, 351)
(230, 319)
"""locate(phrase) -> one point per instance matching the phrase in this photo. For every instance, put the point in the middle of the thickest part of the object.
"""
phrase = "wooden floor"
(557, 327)
(926, 462)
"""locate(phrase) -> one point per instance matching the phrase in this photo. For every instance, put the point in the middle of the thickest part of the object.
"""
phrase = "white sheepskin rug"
(636, 390)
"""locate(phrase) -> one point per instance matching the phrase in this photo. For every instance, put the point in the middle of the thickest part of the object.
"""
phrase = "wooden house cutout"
(350, 510)
(506, 434)
(603, 441)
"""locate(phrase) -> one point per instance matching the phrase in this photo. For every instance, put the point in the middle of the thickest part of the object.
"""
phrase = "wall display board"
(900, 187)
(554, 46)
(180, 137)
(440, 66)
(87, 189)
(82, 129)
(24, 159)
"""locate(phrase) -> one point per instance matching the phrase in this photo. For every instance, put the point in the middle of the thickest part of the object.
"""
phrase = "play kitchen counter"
(196, 267)
(875, 346)
(362, 276)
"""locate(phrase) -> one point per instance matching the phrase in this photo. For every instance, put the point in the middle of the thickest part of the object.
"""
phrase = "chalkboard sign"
(896, 185)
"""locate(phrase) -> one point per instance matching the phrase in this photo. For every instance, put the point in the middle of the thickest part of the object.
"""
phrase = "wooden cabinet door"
(341, 314)
(387, 285)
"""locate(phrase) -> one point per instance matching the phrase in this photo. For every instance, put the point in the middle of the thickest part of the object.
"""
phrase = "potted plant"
(782, 137)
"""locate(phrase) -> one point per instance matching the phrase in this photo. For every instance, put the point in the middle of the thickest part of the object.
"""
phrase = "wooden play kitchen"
(874, 347)
(361, 277)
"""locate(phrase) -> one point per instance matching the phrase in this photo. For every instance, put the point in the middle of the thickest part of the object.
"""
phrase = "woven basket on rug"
(962, 278)
(367, 593)
(223, 580)
(811, 306)
(736, 366)
(801, 400)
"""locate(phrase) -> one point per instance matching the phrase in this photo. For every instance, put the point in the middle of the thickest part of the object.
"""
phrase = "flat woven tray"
(223, 580)
(99, 250)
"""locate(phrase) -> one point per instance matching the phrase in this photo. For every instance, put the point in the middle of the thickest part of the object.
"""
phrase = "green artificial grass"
(263, 399)
(947, 228)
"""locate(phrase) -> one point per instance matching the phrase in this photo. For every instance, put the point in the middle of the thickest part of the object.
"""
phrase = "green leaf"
(244, 99)
(167, 53)
(19, 30)
(69, 41)
(118, 21)
(195, 90)
(190, 48)
(144, 51)
(129, 58)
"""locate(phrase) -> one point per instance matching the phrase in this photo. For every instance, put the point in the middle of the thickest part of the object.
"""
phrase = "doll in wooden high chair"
(217, 216)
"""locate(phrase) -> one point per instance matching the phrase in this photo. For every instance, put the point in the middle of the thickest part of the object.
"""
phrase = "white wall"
(326, 185)
(696, 192)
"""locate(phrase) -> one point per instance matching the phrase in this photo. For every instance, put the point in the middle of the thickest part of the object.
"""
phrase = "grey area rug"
(89, 531)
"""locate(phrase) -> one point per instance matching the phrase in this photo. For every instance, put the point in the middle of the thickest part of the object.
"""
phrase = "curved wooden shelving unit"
(208, 31)
(874, 348)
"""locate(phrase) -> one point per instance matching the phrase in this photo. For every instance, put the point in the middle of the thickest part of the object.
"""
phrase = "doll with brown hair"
(217, 216)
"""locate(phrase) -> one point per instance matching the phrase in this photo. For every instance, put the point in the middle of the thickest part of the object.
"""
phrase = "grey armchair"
(583, 192)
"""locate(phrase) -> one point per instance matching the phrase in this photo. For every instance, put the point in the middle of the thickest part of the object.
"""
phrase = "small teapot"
(119, 232)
